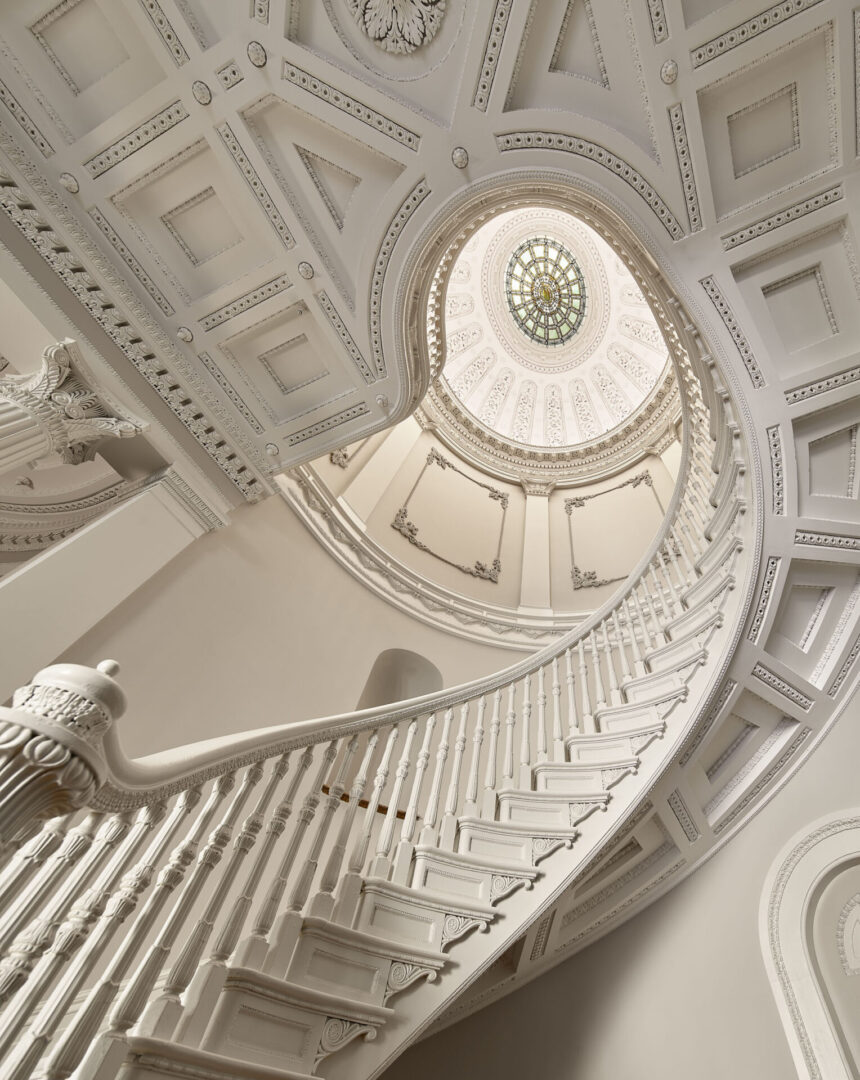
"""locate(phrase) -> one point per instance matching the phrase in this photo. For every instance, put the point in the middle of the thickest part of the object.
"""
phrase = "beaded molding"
(142, 136)
(549, 140)
(733, 326)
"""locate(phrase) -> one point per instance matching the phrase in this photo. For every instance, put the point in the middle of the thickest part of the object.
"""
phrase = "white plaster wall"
(255, 625)
(678, 993)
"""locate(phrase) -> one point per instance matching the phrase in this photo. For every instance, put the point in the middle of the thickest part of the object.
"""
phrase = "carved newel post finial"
(51, 758)
(56, 411)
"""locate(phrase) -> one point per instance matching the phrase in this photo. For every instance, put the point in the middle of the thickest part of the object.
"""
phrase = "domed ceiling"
(550, 342)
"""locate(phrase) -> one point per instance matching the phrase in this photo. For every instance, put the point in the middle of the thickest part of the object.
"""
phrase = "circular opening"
(545, 290)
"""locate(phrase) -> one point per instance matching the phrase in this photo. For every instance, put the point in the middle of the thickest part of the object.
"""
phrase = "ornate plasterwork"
(550, 140)
(401, 586)
(399, 26)
(751, 28)
(492, 48)
(488, 571)
(685, 165)
(733, 326)
(123, 148)
(518, 396)
(346, 103)
(589, 579)
(68, 412)
(770, 574)
(782, 217)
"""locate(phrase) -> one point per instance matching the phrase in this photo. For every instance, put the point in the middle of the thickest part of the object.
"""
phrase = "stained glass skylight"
(545, 290)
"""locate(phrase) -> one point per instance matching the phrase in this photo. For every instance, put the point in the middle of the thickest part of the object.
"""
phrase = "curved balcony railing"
(165, 869)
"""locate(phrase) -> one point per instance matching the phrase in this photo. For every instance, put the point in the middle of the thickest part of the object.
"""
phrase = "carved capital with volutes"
(51, 759)
(70, 414)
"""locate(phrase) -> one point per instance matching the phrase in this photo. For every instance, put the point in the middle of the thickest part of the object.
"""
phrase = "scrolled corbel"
(51, 759)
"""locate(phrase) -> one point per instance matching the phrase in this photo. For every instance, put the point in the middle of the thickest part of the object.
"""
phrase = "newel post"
(51, 758)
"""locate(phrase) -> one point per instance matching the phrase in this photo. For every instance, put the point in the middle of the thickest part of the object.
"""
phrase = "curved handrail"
(131, 782)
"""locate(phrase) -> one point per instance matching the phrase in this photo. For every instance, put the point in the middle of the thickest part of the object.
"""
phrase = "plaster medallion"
(669, 72)
(257, 54)
(201, 92)
(399, 26)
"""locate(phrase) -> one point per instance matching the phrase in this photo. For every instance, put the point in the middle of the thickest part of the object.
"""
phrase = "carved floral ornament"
(399, 26)
(68, 412)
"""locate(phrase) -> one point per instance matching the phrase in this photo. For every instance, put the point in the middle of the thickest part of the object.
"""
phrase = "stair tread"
(477, 862)
(217, 1066)
(305, 997)
(518, 829)
(442, 901)
(364, 940)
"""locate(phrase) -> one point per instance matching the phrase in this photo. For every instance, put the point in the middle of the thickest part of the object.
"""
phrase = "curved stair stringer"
(240, 908)
(475, 927)
(472, 955)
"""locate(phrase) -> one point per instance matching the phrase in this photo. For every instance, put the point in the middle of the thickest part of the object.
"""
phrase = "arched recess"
(397, 675)
(810, 934)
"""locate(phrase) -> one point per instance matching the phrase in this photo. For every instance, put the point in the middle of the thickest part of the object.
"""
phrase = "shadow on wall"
(398, 674)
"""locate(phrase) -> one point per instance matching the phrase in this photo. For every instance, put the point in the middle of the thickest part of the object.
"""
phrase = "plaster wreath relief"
(399, 26)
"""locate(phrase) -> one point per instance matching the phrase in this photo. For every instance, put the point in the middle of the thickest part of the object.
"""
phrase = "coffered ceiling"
(235, 190)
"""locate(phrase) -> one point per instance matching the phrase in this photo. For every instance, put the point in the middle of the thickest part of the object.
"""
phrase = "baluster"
(448, 831)
(10, 848)
(647, 640)
(470, 805)
(679, 581)
(599, 691)
(302, 888)
(73, 933)
(252, 950)
(588, 724)
(685, 558)
(52, 890)
(542, 754)
(162, 1014)
(36, 938)
(288, 925)
(488, 806)
(626, 673)
(271, 905)
(572, 722)
(525, 776)
(323, 904)
(30, 857)
(614, 691)
(131, 1004)
(359, 852)
(660, 635)
(557, 732)
(659, 592)
(428, 831)
(510, 722)
(381, 864)
(663, 568)
(405, 848)
(693, 548)
(638, 663)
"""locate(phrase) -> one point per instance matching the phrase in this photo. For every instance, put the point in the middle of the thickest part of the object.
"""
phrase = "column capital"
(70, 413)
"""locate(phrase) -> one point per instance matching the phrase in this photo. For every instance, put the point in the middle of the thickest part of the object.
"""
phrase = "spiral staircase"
(303, 901)
(307, 899)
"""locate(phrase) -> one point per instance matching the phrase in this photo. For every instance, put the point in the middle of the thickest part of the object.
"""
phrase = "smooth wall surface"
(678, 993)
(256, 625)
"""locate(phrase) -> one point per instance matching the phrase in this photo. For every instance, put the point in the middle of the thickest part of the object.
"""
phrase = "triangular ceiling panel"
(336, 185)
(577, 50)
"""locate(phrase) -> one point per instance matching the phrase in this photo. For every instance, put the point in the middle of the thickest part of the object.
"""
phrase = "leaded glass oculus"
(545, 291)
